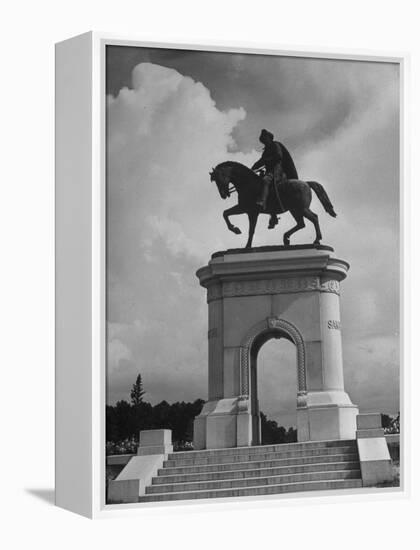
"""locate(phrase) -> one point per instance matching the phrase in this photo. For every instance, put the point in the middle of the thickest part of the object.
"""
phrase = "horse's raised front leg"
(300, 224)
(314, 219)
(253, 217)
(231, 212)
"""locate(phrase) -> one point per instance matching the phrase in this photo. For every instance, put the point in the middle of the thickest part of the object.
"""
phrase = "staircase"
(252, 471)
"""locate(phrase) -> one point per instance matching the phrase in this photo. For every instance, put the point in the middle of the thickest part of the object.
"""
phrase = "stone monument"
(257, 294)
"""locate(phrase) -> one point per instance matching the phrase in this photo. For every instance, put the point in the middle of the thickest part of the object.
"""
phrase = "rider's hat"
(266, 133)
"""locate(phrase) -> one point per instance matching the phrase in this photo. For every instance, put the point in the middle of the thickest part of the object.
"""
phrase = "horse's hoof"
(317, 242)
(286, 242)
(237, 231)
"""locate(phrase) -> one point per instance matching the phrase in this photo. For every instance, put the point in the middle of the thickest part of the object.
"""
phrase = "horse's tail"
(323, 197)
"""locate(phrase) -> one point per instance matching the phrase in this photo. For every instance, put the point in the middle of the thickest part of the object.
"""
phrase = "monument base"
(223, 423)
(375, 460)
(131, 482)
(326, 415)
(321, 416)
(269, 293)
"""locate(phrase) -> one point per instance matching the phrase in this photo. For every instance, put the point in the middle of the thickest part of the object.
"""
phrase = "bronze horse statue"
(291, 195)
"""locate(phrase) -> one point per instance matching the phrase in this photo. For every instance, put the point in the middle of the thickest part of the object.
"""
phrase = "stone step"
(236, 457)
(163, 479)
(253, 482)
(262, 449)
(332, 484)
(255, 464)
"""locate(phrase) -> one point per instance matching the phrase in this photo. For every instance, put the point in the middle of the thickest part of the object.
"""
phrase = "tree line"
(390, 424)
(125, 419)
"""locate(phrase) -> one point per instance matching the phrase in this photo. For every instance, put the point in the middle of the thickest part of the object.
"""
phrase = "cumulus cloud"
(165, 132)
(164, 135)
(305, 100)
(117, 353)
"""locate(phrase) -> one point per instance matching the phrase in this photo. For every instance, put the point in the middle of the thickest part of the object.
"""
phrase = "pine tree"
(137, 392)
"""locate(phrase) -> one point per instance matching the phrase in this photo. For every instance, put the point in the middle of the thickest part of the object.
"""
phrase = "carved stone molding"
(243, 404)
(214, 292)
(302, 399)
(284, 285)
(331, 286)
(285, 328)
(270, 286)
(244, 360)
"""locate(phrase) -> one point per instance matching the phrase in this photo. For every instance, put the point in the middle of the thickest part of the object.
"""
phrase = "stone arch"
(272, 327)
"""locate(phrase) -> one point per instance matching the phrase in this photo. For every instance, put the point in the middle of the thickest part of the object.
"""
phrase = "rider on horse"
(279, 166)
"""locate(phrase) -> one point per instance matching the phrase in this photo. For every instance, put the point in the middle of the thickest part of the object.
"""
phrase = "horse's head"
(221, 176)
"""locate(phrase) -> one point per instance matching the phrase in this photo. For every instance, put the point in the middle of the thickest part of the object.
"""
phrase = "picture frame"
(81, 268)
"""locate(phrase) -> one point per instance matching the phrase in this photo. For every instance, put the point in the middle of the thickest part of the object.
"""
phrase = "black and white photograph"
(252, 274)
(210, 300)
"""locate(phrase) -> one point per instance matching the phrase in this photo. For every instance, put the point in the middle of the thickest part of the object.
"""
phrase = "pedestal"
(274, 292)
(375, 460)
(131, 482)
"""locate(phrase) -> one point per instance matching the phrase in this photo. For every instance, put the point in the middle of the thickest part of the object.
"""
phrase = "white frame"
(80, 274)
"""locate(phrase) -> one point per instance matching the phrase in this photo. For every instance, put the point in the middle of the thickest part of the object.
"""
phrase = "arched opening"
(274, 386)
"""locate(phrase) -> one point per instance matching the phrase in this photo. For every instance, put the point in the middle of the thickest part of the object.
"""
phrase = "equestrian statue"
(273, 191)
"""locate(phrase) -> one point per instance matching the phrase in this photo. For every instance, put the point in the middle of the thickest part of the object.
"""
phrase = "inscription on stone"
(334, 325)
(270, 286)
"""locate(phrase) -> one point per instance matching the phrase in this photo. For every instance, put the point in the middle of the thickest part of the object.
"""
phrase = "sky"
(171, 116)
